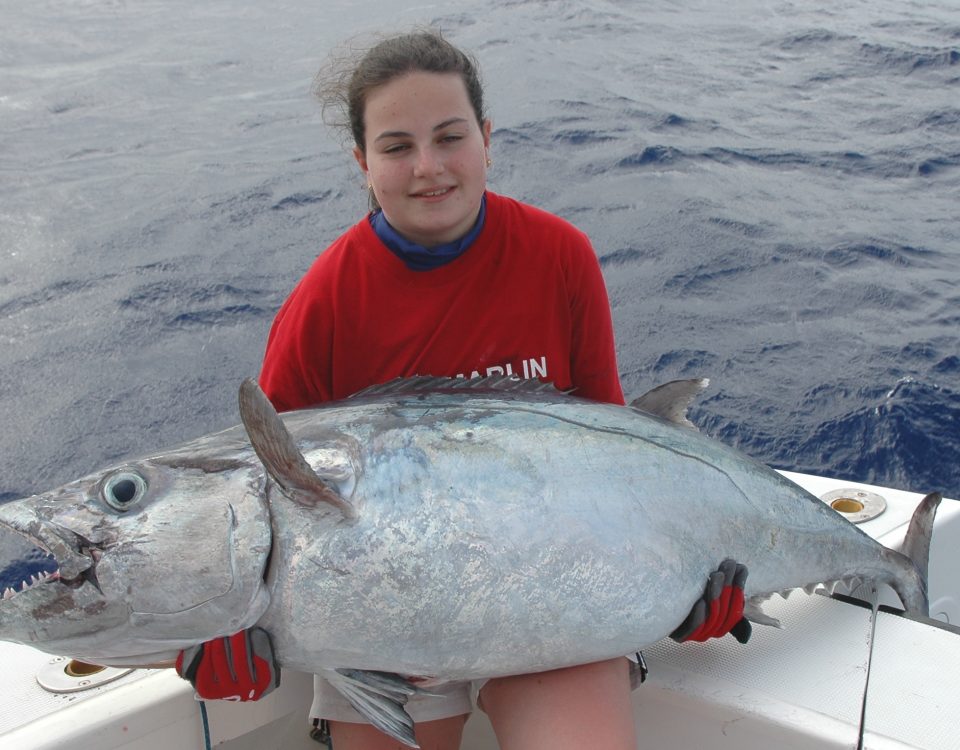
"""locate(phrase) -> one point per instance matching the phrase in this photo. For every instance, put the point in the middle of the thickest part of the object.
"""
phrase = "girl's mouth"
(433, 193)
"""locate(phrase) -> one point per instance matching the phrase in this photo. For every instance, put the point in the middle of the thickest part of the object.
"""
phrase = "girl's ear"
(487, 127)
(361, 159)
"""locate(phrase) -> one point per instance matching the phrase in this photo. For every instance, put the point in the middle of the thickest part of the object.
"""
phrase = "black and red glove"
(720, 610)
(239, 667)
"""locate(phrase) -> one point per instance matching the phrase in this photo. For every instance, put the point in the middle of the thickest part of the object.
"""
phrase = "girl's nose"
(428, 163)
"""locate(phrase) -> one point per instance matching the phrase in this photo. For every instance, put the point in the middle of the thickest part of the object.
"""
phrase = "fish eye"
(123, 490)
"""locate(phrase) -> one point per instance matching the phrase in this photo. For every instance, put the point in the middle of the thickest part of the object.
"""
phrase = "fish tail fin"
(916, 547)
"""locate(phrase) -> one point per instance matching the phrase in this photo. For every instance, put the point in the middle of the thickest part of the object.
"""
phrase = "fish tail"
(916, 548)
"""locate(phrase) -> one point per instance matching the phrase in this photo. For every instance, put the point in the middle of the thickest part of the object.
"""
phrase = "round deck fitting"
(855, 505)
(63, 675)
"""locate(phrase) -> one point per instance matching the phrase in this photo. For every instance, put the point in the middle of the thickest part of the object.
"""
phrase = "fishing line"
(874, 604)
(206, 726)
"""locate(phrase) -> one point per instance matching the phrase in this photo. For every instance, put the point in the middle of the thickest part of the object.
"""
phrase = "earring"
(489, 161)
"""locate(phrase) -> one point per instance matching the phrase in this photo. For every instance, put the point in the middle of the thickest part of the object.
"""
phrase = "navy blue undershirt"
(420, 258)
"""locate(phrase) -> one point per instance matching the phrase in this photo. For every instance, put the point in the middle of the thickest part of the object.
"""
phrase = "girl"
(446, 278)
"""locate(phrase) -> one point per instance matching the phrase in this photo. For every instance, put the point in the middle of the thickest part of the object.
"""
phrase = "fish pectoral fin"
(380, 698)
(280, 455)
(671, 400)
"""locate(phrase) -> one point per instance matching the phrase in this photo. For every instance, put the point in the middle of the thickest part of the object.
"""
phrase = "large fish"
(453, 529)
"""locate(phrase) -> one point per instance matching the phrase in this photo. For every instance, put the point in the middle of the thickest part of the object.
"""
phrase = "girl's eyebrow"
(448, 123)
(404, 134)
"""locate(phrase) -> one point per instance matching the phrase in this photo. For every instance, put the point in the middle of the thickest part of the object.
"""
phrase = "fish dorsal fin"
(280, 455)
(428, 383)
(671, 400)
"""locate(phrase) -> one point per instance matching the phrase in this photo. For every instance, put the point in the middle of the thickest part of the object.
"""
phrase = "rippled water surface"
(772, 188)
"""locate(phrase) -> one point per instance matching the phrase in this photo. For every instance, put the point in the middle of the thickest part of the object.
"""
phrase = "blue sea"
(772, 188)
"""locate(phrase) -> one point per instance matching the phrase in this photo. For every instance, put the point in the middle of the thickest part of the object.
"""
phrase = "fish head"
(142, 560)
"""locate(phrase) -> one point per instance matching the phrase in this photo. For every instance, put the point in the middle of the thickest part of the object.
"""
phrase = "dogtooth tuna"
(448, 529)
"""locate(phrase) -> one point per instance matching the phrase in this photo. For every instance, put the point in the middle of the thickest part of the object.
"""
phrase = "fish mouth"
(20, 576)
(56, 556)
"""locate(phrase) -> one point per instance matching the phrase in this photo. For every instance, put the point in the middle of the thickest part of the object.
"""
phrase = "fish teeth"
(33, 581)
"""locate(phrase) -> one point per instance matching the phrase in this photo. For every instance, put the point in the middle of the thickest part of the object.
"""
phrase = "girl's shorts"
(452, 699)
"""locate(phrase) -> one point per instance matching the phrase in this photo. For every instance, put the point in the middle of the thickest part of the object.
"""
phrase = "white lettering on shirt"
(536, 369)
(506, 369)
(532, 368)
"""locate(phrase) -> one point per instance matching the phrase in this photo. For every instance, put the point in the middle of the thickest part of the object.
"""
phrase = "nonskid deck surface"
(800, 686)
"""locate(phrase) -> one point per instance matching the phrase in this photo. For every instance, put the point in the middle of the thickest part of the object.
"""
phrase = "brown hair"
(344, 83)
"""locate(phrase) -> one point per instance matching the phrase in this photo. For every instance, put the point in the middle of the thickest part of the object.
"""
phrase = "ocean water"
(772, 189)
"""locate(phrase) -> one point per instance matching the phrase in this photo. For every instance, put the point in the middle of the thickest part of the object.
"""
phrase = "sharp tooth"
(810, 588)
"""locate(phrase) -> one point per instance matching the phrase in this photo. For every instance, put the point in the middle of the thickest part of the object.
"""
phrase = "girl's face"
(426, 156)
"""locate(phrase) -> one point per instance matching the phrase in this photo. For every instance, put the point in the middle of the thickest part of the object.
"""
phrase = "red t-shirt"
(527, 298)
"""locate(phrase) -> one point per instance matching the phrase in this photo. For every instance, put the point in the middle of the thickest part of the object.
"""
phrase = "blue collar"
(417, 257)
